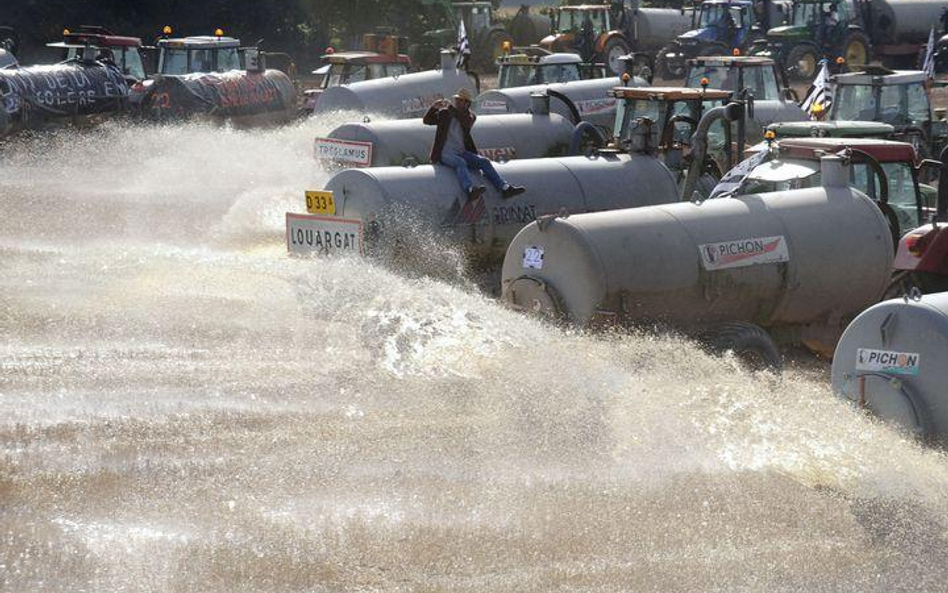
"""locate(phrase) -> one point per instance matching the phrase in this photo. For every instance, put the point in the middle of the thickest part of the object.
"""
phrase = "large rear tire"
(802, 61)
(615, 48)
(670, 62)
(751, 344)
(855, 50)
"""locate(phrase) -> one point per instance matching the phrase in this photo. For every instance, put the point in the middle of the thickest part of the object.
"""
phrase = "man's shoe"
(475, 192)
(512, 190)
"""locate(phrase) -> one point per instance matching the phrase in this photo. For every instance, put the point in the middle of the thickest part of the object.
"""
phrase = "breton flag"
(819, 97)
(731, 181)
(929, 64)
(464, 47)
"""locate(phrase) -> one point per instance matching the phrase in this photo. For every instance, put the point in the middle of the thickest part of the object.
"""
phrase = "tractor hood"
(696, 35)
(557, 42)
(787, 32)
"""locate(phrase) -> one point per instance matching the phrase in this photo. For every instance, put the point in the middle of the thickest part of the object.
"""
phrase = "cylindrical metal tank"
(654, 27)
(239, 96)
(893, 359)
(31, 97)
(591, 98)
(498, 137)
(405, 96)
(904, 21)
(803, 258)
(400, 200)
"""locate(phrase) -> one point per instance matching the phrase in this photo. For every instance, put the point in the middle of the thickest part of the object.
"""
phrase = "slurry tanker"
(741, 273)
(406, 96)
(214, 78)
(892, 361)
(586, 100)
(75, 92)
(408, 142)
(402, 213)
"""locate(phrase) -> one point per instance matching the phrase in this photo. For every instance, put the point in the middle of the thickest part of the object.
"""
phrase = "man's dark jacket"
(441, 117)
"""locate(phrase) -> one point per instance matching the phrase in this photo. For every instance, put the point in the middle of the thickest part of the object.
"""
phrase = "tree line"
(302, 28)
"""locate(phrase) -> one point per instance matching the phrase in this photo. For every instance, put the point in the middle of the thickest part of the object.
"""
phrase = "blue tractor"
(718, 28)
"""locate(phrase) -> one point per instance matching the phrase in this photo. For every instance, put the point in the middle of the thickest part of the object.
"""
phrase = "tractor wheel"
(615, 48)
(750, 344)
(855, 50)
(670, 62)
(492, 50)
(802, 61)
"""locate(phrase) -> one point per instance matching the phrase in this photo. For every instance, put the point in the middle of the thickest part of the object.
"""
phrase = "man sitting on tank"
(454, 147)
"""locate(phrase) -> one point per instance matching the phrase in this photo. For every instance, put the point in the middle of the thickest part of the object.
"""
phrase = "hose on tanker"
(574, 112)
(580, 131)
(942, 210)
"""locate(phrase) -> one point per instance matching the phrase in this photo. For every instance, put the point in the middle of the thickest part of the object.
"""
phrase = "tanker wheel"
(855, 50)
(750, 344)
(670, 62)
(614, 49)
(493, 50)
(802, 61)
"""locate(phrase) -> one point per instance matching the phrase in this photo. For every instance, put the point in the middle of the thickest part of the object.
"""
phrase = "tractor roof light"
(506, 45)
(704, 82)
(736, 52)
(65, 32)
(840, 60)
(167, 30)
(218, 32)
(626, 78)
(330, 50)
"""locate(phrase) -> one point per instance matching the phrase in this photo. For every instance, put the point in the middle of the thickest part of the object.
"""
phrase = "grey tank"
(402, 200)
(894, 359)
(905, 21)
(405, 96)
(686, 264)
(591, 98)
(499, 137)
(655, 27)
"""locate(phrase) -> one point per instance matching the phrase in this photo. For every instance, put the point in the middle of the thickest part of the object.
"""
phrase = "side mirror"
(253, 60)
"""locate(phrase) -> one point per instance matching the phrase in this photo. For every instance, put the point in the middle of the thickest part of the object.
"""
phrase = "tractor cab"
(794, 163)
(525, 69)
(124, 52)
(342, 68)
(718, 27)
(817, 29)
(674, 113)
(486, 35)
(200, 54)
(591, 31)
(753, 77)
(896, 97)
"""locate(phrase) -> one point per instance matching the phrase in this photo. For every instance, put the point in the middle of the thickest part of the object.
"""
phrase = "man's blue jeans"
(463, 161)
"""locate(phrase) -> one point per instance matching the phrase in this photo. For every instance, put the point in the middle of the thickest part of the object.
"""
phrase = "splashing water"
(184, 408)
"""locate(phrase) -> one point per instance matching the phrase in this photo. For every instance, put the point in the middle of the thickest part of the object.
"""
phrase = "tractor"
(487, 37)
(527, 68)
(125, 52)
(896, 97)
(817, 29)
(719, 28)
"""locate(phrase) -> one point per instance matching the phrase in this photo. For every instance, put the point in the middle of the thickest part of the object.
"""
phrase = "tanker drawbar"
(36, 96)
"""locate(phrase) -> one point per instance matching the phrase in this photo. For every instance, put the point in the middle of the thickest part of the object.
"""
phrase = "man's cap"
(465, 94)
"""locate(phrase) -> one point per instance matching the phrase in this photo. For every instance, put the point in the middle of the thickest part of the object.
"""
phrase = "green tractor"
(817, 29)
(487, 37)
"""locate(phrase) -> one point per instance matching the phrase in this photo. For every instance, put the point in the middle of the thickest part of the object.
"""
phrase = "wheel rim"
(806, 65)
(856, 53)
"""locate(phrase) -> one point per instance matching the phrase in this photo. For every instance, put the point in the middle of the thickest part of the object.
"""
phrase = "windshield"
(127, 59)
(719, 77)
(340, 74)
(173, 61)
(898, 105)
(228, 59)
(719, 15)
(761, 81)
(516, 75)
(805, 14)
(572, 20)
(478, 20)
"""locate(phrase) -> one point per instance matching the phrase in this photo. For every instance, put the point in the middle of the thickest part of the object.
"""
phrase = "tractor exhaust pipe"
(699, 143)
